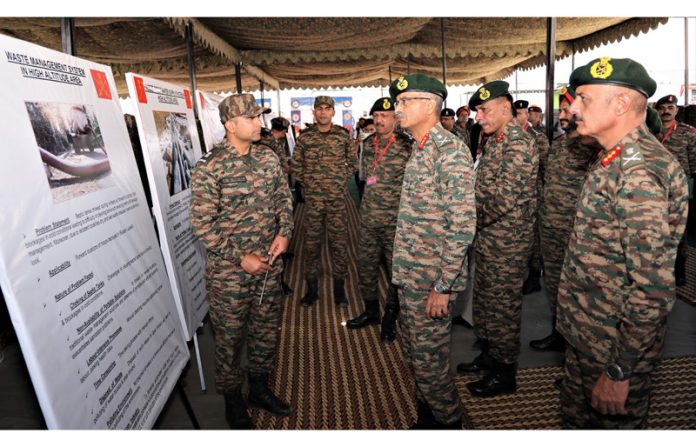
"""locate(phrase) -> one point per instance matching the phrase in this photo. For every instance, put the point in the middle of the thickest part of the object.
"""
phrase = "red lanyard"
(384, 151)
(674, 126)
(423, 141)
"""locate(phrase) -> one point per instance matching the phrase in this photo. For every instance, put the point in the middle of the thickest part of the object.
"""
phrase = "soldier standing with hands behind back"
(241, 210)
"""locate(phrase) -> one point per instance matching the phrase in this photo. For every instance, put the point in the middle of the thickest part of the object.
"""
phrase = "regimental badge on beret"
(520, 104)
(382, 105)
(402, 84)
(386, 104)
(601, 69)
(484, 94)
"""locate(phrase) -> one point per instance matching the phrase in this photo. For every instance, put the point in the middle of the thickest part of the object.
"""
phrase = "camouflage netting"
(324, 51)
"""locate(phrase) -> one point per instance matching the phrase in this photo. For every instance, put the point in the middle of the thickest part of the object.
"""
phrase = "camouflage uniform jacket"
(239, 203)
(617, 284)
(278, 147)
(380, 202)
(680, 140)
(506, 189)
(323, 161)
(542, 148)
(569, 161)
(462, 133)
(437, 215)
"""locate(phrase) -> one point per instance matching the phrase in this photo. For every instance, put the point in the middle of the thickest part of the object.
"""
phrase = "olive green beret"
(382, 105)
(669, 99)
(486, 92)
(535, 108)
(417, 83)
(652, 119)
(447, 112)
(622, 72)
(520, 104)
(566, 93)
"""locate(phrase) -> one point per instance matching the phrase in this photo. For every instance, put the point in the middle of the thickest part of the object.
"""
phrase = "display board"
(168, 136)
(80, 267)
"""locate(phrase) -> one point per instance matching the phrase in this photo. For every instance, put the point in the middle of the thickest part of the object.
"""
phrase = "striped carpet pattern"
(340, 379)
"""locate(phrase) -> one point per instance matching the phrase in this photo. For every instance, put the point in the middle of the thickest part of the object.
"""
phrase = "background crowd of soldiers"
(600, 217)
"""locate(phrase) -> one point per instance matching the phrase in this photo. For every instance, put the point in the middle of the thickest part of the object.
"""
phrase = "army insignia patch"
(386, 105)
(484, 94)
(563, 90)
(602, 69)
(402, 84)
(611, 155)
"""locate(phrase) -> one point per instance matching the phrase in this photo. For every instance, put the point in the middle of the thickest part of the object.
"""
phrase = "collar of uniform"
(438, 135)
(511, 129)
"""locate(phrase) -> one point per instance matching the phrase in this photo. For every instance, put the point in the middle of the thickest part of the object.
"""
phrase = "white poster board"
(209, 115)
(82, 275)
(168, 136)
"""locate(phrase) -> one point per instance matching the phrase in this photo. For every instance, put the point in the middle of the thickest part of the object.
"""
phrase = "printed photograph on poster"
(177, 149)
(72, 149)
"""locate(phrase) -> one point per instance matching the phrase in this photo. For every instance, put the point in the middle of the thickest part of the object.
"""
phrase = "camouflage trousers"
(329, 214)
(535, 253)
(236, 317)
(554, 242)
(426, 346)
(498, 302)
(581, 374)
(375, 248)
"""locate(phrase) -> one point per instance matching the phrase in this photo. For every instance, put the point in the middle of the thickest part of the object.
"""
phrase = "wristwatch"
(441, 288)
(617, 373)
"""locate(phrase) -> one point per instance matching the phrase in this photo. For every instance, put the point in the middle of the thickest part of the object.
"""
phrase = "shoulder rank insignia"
(612, 154)
(402, 84)
(499, 138)
(602, 69)
(631, 156)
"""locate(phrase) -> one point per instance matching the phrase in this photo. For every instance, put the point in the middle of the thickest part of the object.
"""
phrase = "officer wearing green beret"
(617, 284)
(506, 200)
(435, 226)
(384, 156)
(680, 140)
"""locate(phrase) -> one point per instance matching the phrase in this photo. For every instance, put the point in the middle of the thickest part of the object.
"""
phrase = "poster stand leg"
(198, 361)
(187, 405)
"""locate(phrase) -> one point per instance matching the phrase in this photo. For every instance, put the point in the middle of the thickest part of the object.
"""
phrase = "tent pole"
(278, 91)
(442, 45)
(686, 61)
(192, 68)
(238, 76)
(390, 76)
(550, 67)
(67, 35)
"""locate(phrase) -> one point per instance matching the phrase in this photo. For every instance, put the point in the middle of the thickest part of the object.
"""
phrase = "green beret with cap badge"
(491, 90)
(382, 105)
(520, 104)
(417, 83)
(669, 99)
(621, 72)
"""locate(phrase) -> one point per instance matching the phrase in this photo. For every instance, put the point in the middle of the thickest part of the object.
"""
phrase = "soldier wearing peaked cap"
(385, 153)
(680, 140)
(323, 161)
(506, 198)
(241, 209)
(435, 226)
(617, 285)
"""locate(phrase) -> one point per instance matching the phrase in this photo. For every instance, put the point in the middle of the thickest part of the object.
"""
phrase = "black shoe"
(553, 342)
(459, 321)
(236, 411)
(500, 380)
(260, 396)
(482, 364)
(339, 293)
(287, 290)
(532, 284)
(388, 332)
(368, 317)
(480, 343)
(426, 420)
(311, 296)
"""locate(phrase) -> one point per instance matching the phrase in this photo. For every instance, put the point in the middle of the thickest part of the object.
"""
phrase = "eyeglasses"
(404, 101)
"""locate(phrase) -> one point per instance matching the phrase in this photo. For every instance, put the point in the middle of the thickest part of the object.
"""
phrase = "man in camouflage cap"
(617, 284)
(506, 200)
(680, 140)
(569, 160)
(241, 209)
(383, 161)
(435, 226)
(323, 160)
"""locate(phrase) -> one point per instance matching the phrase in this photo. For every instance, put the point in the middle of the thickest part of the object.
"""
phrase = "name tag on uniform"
(232, 180)
(372, 180)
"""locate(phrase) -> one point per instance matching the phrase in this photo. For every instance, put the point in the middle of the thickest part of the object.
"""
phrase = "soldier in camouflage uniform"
(680, 140)
(241, 210)
(617, 284)
(506, 202)
(462, 127)
(323, 161)
(384, 159)
(569, 160)
(522, 114)
(435, 226)
(535, 116)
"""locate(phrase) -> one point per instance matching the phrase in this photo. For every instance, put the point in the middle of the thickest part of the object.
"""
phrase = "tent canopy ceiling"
(324, 51)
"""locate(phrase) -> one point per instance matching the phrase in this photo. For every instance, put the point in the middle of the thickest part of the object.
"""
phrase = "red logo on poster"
(140, 89)
(101, 84)
(187, 96)
(202, 101)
